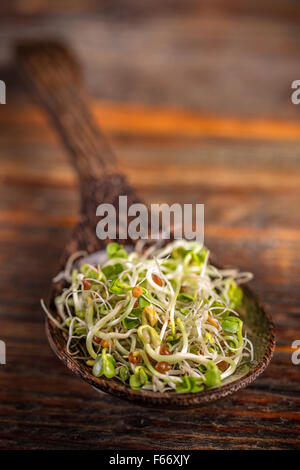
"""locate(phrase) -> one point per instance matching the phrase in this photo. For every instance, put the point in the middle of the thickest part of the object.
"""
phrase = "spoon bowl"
(257, 324)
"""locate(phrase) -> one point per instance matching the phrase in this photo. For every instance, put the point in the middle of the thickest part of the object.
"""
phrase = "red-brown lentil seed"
(164, 350)
(134, 358)
(106, 343)
(137, 292)
(87, 284)
(97, 340)
(163, 367)
(157, 280)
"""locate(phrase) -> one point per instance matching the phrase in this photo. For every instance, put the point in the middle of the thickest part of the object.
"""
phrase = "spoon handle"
(56, 78)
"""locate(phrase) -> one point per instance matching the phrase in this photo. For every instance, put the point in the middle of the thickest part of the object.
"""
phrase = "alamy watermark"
(295, 96)
(2, 352)
(2, 92)
(296, 354)
(2, 343)
(160, 222)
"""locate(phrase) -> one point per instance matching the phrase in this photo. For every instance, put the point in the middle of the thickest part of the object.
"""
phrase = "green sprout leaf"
(212, 375)
(98, 366)
(185, 311)
(104, 365)
(189, 384)
(90, 272)
(114, 250)
(118, 287)
(185, 297)
(134, 319)
(199, 258)
(230, 325)
(124, 373)
(131, 323)
(172, 339)
(196, 385)
(235, 295)
(80, 314)
(234, 325)
(219, 308)
(144, 299)
(138, 379)
(112, 271)
(184, 385)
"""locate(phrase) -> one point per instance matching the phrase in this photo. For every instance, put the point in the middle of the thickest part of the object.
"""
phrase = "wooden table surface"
(196, 102)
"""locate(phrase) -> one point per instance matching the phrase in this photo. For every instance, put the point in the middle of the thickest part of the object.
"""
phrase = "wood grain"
(166, 123)
(249, 184)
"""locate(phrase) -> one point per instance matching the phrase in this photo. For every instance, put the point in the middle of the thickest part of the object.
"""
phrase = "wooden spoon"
(56, 80)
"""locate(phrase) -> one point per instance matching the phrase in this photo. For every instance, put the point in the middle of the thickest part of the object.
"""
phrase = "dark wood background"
(195, 97)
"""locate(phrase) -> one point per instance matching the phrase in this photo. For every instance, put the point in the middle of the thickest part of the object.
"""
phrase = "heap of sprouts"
(161, 319)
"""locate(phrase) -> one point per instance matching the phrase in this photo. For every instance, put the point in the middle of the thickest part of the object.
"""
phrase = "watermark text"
(296, 354)
(159, 222)
(2, 92)
(2, 352)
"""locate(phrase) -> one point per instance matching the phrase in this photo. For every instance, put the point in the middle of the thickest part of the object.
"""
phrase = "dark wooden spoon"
(56, 79)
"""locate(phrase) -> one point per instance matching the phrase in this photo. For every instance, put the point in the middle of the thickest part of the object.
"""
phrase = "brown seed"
(157, 280)
(213, 322)
(87, 284)
(96, 339)
(137, 291)
(134, 358)
(163, 367)
(106, 343)
(223, 365)
(164, 350)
